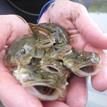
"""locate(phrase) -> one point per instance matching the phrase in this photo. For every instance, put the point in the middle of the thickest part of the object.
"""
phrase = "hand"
(84, 35)
(12, 94)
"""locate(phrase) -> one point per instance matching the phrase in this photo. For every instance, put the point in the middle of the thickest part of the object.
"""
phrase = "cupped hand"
(84, 35)
(11, 93)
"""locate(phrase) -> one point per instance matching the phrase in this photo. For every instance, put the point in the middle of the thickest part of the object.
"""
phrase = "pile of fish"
(44, 60)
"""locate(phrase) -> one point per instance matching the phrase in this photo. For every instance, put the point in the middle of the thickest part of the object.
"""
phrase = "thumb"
(44, 18)
(11, 27)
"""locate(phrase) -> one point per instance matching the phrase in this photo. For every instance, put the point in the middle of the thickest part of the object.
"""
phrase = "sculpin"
(44, 61)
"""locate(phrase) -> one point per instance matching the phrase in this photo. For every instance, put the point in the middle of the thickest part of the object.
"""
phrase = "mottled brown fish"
(44, 60)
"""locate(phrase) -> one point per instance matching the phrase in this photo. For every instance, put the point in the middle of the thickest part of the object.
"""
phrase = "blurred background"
(98, 11)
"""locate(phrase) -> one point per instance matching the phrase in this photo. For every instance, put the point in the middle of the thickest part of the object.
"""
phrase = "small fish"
(43, 61)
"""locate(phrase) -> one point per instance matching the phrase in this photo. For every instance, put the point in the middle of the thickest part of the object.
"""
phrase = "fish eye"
(22, 51)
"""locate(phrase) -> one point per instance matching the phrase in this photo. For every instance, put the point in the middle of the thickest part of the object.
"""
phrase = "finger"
(44, 18)
(77, 92)
(89, 29)
(99, 81)
(12, 94)
(55, 104)
(11, 27)
(19, 28)
(4, 33)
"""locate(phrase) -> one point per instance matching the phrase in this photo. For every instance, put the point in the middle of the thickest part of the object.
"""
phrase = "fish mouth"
(46, 93)
(45, 90)
(87, 70)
